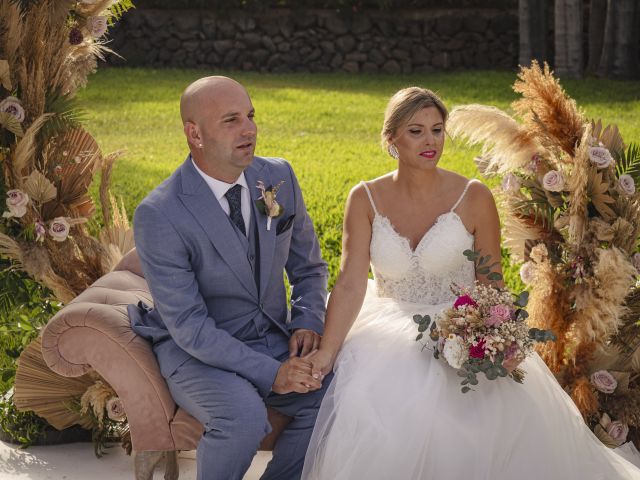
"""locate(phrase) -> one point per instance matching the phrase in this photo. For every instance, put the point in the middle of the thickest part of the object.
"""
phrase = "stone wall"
(282, 40)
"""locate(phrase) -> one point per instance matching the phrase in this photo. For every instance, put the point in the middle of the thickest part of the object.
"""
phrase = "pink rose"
(477, 351)
(498, 314)
(463, 301)
(626, 185)
(553, 181)
(115, 409)
(604, 382)
(97, 26)
(600, 157)
(13, 106)
(17, 202)
(618, 431)
(59, 229)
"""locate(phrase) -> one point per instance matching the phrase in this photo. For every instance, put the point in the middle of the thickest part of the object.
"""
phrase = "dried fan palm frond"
(625, 235)
(11, 249)
(39, 187)
(36, 262)
(5, 76)
(11, 123)
(598, 192)
(24, 156)
(39, 389)
(118, 234)
(506, 145)
(610, 137)
(547, 110)
(577, 185)
(105, 182)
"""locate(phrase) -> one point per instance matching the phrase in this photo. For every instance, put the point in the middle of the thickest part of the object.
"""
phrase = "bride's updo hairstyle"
(404, 105)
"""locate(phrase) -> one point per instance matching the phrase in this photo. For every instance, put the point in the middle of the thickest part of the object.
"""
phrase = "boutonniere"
(267, 203)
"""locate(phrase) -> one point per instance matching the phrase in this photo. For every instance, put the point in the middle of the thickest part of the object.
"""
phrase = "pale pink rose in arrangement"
(17, 202)
(626, 185)
(636, 261)
(498, 314)
(618, 431)
(454, 351)
(59, 229)
(13, 106)
(511, 183)
(40, 230)
(604, 382)
(600, 157)
(115, 409)
(97, 26)
(553, 181)
(528, 273)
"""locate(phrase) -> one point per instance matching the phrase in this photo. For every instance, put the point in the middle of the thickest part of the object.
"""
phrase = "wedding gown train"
(394, 411)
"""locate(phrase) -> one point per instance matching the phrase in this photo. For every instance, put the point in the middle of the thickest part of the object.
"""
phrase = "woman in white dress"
(394, 411)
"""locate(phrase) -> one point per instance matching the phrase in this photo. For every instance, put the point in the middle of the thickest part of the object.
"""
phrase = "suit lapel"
(259, 170)
(201, 202)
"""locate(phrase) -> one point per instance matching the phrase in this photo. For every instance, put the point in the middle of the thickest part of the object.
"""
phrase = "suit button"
(251, 257)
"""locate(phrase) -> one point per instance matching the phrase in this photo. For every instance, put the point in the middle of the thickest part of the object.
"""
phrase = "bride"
(393, 411)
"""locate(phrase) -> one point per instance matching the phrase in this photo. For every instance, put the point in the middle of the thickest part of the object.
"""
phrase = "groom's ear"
(192, 132)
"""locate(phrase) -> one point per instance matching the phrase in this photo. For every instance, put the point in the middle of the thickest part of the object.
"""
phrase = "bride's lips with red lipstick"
(428, 154)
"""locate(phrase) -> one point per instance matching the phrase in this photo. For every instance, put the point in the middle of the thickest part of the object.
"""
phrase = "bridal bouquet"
(484, 331)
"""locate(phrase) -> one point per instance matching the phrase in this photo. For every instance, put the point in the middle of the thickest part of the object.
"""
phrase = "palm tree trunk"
(597, 18)
(568, 38)
(620, 46)
(533, 31)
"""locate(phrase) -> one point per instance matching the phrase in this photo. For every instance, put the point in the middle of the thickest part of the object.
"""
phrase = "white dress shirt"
(219, 188)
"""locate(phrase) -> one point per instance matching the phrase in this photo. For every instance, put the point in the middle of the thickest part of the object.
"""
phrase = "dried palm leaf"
(119, 232)
(39, 188)
(105, 182)
(610, 137)
(516, 233)
(24, 156)
(11, 249)
(5, 76)
(38, 389)
(597, 190)
(11, 123)
(578, 185)
(547, 110)
(506, 145)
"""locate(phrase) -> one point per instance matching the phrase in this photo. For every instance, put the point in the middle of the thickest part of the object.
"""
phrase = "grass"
(326, 125)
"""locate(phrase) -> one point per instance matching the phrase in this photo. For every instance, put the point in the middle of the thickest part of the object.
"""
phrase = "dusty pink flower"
(59, 229)
(510, 183)
(17, 202)
(600, 157)
(618, 431)
(497, 315)
(553, 181)
(626, 185)
(115, 409)
(463, 301)
(40, 230)
(13, 106)
(477, 351)
(97, 26)
(604, 382)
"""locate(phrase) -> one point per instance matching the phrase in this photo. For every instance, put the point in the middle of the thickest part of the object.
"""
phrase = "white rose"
(600, 157)
(510, 183)
(626, 185)
(454, 351)
(528, 273)
(97, 26)
(13, 106)
(17, 202)
(59, 229)
(553, 181)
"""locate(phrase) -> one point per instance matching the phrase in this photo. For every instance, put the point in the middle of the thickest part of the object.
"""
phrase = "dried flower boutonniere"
(267, 202)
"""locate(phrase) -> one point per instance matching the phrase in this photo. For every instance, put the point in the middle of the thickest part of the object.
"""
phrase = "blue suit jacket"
(203, 287)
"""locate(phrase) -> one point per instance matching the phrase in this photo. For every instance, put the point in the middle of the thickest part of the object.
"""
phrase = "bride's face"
(421, 140)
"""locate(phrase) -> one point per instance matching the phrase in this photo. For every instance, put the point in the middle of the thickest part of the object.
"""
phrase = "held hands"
(303, 342)
(296, 375)
(322, 361)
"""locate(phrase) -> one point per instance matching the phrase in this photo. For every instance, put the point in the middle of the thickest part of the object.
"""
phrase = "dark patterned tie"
(235, 209)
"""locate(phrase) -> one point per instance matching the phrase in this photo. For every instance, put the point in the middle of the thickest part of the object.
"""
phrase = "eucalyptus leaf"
(523, 299)
(417, 318)
(494, 276)
(465, 389)
(491, 373)
(420, 335)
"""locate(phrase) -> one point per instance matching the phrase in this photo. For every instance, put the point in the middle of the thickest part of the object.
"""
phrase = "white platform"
(76, 461)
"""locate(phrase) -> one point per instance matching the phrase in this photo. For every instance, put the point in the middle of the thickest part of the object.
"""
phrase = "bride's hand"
(511, 364)
(322, 362)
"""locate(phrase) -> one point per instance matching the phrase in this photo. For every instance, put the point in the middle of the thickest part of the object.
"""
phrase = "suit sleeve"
(306, 270)
(167, 269)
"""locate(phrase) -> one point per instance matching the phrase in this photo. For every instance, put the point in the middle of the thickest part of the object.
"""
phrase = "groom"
(213, 249)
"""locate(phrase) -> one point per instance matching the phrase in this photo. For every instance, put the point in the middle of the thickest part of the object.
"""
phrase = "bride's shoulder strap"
(366, 187)
(464, 192)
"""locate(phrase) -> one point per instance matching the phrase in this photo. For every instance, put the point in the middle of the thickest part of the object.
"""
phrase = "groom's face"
(228, 129)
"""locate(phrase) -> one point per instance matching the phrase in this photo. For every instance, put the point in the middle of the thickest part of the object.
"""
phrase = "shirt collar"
(218, 187)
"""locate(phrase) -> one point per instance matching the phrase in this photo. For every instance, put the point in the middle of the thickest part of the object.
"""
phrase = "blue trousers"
(235, 421)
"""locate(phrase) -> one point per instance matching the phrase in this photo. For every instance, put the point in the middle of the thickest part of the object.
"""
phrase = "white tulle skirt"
(395, 412)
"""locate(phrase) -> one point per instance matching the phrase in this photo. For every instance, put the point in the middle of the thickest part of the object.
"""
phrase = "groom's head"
(217, 115)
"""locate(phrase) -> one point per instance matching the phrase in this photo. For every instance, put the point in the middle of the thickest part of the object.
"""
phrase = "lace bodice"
(423, 275)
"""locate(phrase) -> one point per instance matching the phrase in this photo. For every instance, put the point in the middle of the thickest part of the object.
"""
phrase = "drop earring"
(393, 151)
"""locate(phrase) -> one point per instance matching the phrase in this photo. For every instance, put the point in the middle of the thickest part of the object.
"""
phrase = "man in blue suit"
(214, 246)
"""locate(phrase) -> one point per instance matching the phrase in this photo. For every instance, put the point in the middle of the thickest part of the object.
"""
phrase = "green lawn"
(326, 125)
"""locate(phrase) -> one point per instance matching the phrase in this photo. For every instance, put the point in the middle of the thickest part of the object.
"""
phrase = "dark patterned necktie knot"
(234, 197)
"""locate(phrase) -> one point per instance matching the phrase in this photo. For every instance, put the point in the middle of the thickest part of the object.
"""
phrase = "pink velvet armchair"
(93, 333)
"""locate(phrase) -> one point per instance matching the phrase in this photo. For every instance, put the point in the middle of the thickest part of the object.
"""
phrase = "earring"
(393, 151)
(200, 145)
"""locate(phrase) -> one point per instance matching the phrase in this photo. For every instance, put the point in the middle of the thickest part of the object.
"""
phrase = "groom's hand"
(295, 375)
(303, 342)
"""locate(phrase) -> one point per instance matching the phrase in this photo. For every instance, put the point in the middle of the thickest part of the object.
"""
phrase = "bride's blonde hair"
(403, 105)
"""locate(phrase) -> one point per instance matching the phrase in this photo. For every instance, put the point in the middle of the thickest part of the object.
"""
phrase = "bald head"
(202, 94)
